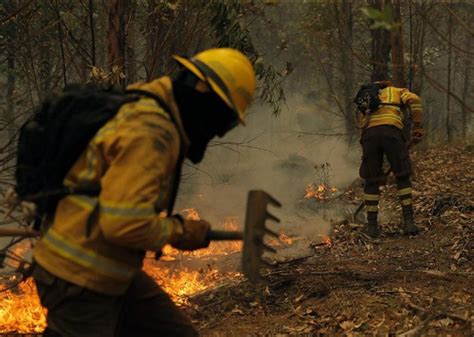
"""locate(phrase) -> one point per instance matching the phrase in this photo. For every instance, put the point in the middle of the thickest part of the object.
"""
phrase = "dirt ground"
(392, 286)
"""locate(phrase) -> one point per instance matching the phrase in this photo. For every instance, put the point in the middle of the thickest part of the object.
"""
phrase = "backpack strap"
(157, 98)
(179, 163)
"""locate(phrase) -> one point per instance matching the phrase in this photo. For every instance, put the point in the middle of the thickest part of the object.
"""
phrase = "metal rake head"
(255, 231)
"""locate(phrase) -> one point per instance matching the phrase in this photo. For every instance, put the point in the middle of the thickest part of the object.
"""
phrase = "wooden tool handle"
(25, 232)
(216, 235)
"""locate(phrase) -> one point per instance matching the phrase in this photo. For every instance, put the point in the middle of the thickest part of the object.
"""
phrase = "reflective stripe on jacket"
(99, 242)
(393, 114)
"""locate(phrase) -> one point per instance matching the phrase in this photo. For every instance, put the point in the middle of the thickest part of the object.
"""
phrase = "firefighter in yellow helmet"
(381, 121)
(88, 263)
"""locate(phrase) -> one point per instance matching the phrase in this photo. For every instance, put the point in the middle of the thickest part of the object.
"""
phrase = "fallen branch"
(438, 313)
(294, 260)
(414, 332)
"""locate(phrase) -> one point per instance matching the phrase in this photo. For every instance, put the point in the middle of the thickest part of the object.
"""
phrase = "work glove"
(417, 136)
(193, 235)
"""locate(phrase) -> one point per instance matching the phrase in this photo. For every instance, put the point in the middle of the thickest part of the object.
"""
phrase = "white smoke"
(278, 155)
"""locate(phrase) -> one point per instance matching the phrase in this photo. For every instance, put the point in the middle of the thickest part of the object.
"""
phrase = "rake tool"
(252, 236)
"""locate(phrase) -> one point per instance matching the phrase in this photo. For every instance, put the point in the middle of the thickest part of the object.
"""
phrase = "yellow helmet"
(229, 73)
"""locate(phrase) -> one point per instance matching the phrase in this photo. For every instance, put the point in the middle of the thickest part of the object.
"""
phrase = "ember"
(327, 241)
(324, 243)
(285, 239)
(319, 192)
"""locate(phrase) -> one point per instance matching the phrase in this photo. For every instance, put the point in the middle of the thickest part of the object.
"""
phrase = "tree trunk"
(151, 40)
(45, 47)
(92, 32)
(344, 18)
(449, 127)
(130, 27)
(61, 43)
(398, 62)
(380, 47)
(418, 48)
(465, 115)
(116, 39)
(11, 30)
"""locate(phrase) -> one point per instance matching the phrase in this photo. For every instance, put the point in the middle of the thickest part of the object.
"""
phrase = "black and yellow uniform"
(88, 261)
(383, 135)
(122, 223)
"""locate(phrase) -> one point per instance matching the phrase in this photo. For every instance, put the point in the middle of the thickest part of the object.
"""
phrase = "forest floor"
(395, 285)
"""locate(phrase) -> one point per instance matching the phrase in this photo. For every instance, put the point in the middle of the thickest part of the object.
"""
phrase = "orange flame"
(285, 239)
(320, 192)
(21, 312)
(327, 241)
(20, 309)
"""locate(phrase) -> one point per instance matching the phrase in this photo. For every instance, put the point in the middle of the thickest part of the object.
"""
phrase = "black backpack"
(54, 137)
(367, 99)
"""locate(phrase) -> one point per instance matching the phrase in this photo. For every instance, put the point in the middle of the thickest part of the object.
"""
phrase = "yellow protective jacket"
(393, 115)
(99, 242)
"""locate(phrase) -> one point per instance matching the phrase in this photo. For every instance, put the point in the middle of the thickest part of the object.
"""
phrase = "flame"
(327, 241)
(21, 312)
(285, 239)
(282, 239)
(320, 192)
(215, 249)
(20, 308)
(184, 282)
(181, 283)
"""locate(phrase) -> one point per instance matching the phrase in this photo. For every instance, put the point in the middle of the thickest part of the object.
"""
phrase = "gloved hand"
(194, 235)
(416, 137)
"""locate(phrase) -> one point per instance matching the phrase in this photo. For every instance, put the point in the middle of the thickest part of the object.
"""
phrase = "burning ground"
(181, 275)
(411, 286)
(345, 284)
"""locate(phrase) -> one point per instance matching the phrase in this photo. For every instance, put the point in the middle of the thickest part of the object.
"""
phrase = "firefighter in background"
(383, 134)
(88, 263)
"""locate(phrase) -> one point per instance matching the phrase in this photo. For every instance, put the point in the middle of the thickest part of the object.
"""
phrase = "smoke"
(278, 155)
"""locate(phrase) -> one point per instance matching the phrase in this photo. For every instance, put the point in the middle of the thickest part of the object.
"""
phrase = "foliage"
(228, 28)
(381, 18)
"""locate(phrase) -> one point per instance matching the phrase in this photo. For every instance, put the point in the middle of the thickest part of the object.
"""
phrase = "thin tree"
(116, 39)
(344, 18)
(11, 43)
(465, 116)
(449, 127)
(380, 47)
(398, 61)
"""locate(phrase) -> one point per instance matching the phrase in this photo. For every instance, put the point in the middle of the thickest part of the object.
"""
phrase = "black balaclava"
(204, 115)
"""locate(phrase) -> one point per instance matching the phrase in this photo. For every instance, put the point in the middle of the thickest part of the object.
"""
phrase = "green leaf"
(381, 24)
(371, 13)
